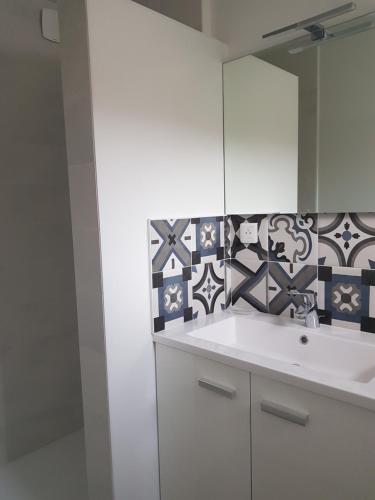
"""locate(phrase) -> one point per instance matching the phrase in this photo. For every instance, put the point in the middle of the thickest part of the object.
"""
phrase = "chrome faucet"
(306, 310)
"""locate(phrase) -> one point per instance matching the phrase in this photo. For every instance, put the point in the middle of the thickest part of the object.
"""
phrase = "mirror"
(260, 136)
(336, 126)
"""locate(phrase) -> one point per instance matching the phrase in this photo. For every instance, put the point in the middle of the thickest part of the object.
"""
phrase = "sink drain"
(304, 339)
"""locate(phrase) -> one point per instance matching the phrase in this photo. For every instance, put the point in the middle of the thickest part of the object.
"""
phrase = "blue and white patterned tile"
(170, 244)
(347, 240)
(228, 236)
(249, 285)
(228, 283)
(346, 297)
(249, 251)
(207, 239)
(171, 298)
(208, 288)
(284, 277)
(293, 238)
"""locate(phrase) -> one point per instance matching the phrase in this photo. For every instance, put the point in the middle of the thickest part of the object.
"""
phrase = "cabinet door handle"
(223, 390)
(296, 416)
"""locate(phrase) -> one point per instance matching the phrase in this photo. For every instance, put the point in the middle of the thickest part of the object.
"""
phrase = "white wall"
(157, 114)
(84, 210)
(242, 23)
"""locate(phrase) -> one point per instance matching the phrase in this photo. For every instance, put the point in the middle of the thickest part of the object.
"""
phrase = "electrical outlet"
(249, 232)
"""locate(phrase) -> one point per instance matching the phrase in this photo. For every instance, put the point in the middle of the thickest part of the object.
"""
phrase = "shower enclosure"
(42, 451)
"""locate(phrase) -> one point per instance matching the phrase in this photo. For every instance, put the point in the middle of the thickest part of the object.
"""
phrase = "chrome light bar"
(306, 43)
(312, 25)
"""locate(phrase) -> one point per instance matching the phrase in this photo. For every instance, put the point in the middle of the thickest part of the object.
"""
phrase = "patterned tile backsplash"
(170, 244)
(249, 284)
(171, 298)
(199, 266)
(208, 288)
(283, 277)
(207, 239)
(188, 269)
(347, 240)
(346, 297)
(293, 238)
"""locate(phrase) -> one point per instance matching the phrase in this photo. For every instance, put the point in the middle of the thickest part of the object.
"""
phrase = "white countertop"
(356, 393)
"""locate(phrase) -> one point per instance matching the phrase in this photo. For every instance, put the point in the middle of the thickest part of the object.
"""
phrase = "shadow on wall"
(189, 13)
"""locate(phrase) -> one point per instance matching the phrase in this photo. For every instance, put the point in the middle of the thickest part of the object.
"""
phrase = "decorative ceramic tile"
(170, 244)
(228, 236)
(208, 288)
(285, 277)
(228, 283)
(346, 297)
(293, 238)
(346, 294)
(207, 234)
(171, 298)
(251, 251)
(347, 240)
(249, 284)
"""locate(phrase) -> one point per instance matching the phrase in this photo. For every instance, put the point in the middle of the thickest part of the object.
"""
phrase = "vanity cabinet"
(204, 428)
(327, 453)
(222, 438)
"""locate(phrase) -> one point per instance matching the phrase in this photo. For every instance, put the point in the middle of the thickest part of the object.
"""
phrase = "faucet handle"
(308, 309)
(309, 300)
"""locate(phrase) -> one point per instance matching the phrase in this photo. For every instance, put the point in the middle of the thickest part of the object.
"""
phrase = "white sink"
(341, 353)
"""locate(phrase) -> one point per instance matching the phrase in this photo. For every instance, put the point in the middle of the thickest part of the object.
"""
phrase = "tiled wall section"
(332, 255)
(188, 269)
(199, 267)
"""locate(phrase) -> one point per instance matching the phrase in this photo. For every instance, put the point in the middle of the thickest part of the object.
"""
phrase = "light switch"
(249, 232)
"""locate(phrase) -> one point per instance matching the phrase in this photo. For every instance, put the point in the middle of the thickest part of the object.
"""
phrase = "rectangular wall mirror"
(333, 136)
(261, 137)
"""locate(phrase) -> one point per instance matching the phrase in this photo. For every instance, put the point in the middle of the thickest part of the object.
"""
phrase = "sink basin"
(342, 353)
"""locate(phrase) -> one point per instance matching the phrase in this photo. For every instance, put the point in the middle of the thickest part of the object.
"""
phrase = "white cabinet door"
(331, 457)
(204, 428)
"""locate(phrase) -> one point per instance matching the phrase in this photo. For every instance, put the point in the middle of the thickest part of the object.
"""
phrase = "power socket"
(249, 232)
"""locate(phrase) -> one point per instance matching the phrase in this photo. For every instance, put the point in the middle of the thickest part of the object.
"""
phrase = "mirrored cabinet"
(261, 137)
(312, 106)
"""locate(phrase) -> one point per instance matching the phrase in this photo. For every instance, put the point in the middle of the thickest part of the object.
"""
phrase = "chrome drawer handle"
(227, 392)
(295, 416)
